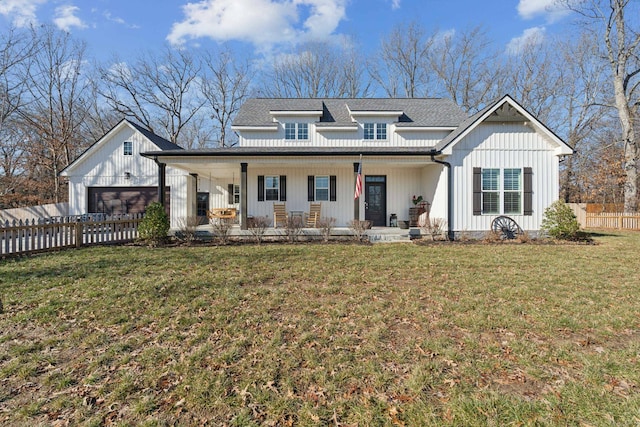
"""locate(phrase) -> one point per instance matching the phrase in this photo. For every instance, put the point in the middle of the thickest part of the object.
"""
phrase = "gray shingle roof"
(464, 125)
(162, 143)
(419, 112)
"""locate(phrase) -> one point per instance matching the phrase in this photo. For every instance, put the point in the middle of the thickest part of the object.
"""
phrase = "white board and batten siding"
(322, 138)
(507, 145)
(106, 167)
(401, 186)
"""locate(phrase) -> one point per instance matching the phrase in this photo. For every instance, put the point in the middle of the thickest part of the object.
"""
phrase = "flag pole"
(358, 190)
(357, 169)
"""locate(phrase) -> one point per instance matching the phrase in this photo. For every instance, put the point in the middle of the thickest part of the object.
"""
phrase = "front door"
(202, 206)
(375, 200)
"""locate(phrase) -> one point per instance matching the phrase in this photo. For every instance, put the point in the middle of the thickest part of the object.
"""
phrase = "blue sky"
(261, 27)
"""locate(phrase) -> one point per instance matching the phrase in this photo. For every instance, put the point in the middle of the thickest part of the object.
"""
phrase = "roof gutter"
(450, 233)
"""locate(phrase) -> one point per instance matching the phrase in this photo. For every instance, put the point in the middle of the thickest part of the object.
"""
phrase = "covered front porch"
(207, 232)
(252, 181)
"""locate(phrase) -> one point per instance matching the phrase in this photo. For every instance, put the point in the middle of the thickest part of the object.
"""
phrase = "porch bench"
(222, 213)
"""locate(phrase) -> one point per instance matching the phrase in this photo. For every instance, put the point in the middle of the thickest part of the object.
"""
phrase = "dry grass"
(333, 334)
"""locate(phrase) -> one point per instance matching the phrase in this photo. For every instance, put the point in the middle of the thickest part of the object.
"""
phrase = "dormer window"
(128, 148)
(296, 131)
(375, 131)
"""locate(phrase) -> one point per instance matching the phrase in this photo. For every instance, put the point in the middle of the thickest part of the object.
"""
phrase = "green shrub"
(560, 222)
(154, 227)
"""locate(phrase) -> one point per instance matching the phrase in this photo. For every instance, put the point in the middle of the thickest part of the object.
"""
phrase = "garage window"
(128, 148)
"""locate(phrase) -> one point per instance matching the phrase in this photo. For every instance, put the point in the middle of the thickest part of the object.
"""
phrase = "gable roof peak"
(483, 115)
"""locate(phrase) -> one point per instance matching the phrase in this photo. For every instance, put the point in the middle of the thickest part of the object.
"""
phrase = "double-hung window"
(490, 191)
(296, 131)
(127, 148)
(322, 188)
(512, 191)
(236, 194)
(375, 131)
(233, 194)
(272, 188)
(501, 191)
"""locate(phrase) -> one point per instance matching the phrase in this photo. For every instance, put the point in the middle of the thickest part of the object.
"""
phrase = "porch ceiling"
(224, 161)
(223, 167)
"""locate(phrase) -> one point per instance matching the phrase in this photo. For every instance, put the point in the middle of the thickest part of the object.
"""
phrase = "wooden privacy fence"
(617, 220)
(42, 235)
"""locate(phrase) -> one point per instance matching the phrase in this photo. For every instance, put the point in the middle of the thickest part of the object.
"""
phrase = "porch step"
(394, 236)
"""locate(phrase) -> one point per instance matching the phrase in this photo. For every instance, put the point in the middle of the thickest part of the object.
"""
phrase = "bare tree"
(402, 67)
(225, 86)
(159, 91)
(532, 75)
(464, 68)
(316, 70)
(100, 117)
(57, 94)
(579, 109)
(615, 23)
(15, 51)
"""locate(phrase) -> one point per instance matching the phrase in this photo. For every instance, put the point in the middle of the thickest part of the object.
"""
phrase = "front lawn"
(324, 334)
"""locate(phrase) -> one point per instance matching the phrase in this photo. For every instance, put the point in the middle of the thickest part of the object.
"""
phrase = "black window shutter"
(477, 191)
(332, 188)
(283, 188)
(261, 188)
(528, 191)
(310, 188)
(230, 191)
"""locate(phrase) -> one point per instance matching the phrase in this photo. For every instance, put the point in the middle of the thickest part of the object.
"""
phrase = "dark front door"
(202, 205)
(375, 200)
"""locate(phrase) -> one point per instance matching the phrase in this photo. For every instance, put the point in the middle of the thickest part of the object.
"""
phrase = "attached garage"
(123, 200)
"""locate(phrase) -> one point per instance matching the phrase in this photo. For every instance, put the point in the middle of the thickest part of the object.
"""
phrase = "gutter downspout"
(450, 233)
(161, 181)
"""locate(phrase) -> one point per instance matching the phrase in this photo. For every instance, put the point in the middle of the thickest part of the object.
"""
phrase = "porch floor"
(375, 234)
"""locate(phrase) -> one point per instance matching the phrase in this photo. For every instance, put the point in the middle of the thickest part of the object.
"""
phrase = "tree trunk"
(630, 145)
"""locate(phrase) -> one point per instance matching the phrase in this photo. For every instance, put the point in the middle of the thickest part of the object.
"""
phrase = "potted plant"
(417, 209)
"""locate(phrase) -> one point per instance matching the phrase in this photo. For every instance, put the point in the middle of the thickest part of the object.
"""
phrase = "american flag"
(358, 181)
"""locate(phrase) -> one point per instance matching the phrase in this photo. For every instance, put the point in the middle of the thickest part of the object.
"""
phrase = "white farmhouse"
(500, 161)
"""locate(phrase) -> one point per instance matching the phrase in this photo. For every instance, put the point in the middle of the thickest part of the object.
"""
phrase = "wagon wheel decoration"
(506, 227)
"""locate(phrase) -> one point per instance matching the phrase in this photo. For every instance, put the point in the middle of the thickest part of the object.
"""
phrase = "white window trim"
(236, 194)
(376, 126)
(501, 192)
(316, 187)
(128, 152)
(297, 128)
(266, 188)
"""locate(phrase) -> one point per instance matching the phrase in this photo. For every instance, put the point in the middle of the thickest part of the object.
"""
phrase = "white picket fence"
(20, 237)
(617, 220)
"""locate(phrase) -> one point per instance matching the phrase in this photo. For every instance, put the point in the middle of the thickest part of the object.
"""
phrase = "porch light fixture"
(127, 175)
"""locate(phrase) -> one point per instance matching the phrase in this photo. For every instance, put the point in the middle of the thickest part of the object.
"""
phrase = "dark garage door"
(121, 200)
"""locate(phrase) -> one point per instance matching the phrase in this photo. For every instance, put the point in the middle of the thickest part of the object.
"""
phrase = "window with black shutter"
(322, 188)
(502, 191)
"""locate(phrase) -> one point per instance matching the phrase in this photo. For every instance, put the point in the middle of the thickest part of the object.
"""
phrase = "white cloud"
(261, 22)
(65, 18)
(551, 9)
(110, 17)
(530, 36)
(395, 4)
(21, 12)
